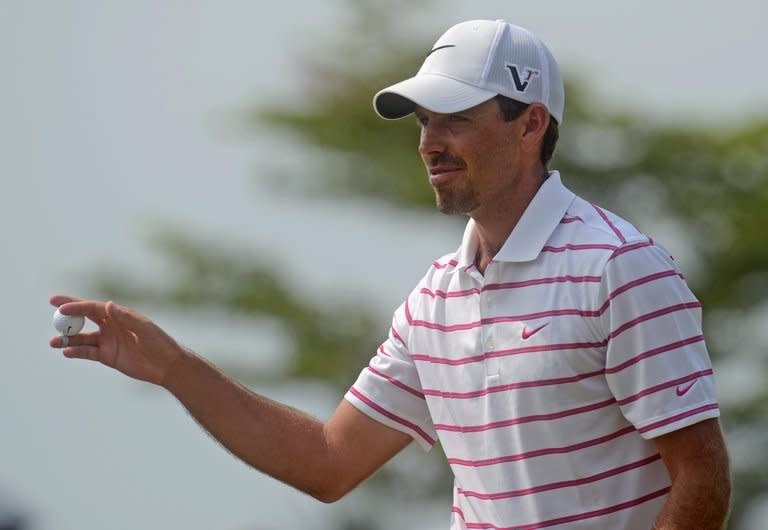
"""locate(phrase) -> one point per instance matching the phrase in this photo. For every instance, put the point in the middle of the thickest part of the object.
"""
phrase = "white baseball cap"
(473, 62)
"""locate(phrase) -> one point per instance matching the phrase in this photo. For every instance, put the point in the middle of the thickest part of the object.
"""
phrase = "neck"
(496, 220)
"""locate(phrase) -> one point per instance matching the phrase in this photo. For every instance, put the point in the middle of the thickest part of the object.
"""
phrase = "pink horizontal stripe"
(541, 281)
(663, 386)
(448, 328)
(525, 419)
(451, 263)
(678, 417)
(397, 336)
(506, 352)
(566, 220)
(655, 351)
(630, 248)
(449, 294)
(542, 452)
(635, 283)
(653, 314)
(511, 386)
(509, 285)
(415, 428)
(616, 231)
(384, 353)
(630, 285)
(466, 326)
(556, 279)
(397, 383)
(569, 246)
(571, 518)
(562, 484)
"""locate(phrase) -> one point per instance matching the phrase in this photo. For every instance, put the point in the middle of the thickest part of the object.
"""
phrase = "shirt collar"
(541, 217)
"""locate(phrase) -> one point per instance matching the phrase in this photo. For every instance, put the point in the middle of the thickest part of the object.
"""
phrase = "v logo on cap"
(521, 84)
(490, 57)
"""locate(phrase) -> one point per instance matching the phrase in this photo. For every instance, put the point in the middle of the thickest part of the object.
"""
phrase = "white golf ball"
(67, 325)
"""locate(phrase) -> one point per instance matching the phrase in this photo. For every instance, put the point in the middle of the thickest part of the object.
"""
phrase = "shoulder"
(445, 262)
(437, 273)
(594, 222)
(620, 249)
(588, 236)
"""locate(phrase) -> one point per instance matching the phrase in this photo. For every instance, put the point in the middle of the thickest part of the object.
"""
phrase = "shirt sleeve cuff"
(379, 413)
(663, 425)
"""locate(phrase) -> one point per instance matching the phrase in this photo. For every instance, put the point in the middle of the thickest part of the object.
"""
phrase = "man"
(557, 354)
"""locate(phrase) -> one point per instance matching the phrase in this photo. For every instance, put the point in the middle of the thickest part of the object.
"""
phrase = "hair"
(512, 109)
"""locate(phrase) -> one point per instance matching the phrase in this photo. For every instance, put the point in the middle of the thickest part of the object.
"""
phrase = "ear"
(535, 121)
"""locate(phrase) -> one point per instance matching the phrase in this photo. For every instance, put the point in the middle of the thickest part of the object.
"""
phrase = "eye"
(421, 119)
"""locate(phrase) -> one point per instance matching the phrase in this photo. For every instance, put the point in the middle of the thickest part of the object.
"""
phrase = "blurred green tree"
(709, 186)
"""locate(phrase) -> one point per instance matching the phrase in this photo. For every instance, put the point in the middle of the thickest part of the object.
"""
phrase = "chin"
(453, 206)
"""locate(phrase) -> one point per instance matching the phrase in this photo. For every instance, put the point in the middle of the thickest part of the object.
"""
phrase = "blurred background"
(218, 166)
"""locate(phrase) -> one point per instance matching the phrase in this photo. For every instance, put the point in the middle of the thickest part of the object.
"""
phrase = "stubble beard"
(463, 200)
(457, 197)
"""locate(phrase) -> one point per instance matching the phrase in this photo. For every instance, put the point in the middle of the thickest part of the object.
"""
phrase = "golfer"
(557, 354)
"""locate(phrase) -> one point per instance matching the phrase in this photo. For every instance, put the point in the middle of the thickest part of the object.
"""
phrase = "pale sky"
(111, 121)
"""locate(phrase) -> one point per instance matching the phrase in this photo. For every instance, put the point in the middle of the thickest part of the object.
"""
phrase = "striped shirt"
(546, 378)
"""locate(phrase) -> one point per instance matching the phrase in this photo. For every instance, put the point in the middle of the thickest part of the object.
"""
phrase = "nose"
(432, 139)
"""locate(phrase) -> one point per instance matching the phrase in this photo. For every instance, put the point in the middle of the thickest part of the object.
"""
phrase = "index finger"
(92, 309)
(59, 299)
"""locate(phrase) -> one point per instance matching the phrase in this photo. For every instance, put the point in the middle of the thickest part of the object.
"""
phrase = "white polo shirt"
(546, 379)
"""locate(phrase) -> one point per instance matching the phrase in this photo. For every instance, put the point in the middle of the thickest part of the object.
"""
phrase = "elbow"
(327, 498)
(329, 495)
(331, 490)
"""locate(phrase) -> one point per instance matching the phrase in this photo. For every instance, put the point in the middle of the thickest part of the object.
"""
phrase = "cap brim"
(435, 93)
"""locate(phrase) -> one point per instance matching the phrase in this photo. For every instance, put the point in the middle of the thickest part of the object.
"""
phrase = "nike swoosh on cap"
(684, 390)
(433, 50)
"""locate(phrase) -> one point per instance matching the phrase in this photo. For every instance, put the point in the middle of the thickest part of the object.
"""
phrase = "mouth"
(439, 175)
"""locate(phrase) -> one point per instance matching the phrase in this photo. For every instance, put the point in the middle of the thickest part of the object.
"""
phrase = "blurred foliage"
(712, 184)
(330, 342)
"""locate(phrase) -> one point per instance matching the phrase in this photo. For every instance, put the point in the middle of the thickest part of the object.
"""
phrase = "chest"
(514, 327)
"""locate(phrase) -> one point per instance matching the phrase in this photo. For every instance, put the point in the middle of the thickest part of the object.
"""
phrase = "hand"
(125, 341)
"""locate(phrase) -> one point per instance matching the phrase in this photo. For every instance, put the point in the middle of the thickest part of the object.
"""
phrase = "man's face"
(471, 156)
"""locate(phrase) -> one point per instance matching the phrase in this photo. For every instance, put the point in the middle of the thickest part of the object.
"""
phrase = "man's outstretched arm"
(697, 461)
(326, 460)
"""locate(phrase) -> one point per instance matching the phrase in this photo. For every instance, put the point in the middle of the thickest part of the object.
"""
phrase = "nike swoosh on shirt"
(528, 334)
(440, 48)
(681, 391)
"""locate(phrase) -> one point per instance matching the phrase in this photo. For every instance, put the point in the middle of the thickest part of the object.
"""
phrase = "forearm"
(273, 438)
(325, 460)
(699, 499)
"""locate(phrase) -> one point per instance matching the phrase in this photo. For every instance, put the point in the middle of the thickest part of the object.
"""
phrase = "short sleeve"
(389, 390)
(657, 365)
